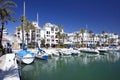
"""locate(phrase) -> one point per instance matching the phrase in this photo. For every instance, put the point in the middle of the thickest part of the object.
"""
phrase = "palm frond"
(10, 4)
(10, 11)
(12, 19)
(1, 1)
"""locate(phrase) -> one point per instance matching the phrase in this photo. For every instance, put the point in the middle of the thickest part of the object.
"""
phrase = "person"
(5, 48)
(2, 50)
(10, 49)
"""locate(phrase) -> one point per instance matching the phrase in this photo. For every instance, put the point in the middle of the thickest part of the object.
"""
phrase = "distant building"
(5, 31)
(97, 39)
(48, 32)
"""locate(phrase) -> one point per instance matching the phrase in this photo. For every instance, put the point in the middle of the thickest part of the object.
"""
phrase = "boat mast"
(23, 25)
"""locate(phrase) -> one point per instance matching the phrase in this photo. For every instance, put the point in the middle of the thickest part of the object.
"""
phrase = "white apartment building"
(87, 40)
(49, 33)
(98, 38)
(33, 35)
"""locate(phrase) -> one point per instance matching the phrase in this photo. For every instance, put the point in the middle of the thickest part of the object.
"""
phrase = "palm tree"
(63, 37)
(82, 31)
(6, 10)
(90, 33)
(106, 38)
(22, 18)
(93, 36)
(59, 33)
(103, 33)
(111, 40)
(99, 36)
(27, 26)
(43, 43)
(77, 37)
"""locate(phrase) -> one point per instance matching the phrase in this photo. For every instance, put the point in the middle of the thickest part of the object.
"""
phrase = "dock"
(9, 67)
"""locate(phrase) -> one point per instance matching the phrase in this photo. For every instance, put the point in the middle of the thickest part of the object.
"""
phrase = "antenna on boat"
(37, 18)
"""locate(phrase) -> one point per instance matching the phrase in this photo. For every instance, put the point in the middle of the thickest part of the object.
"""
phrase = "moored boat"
(41, 54)
(25, 56)
(91, 51)
(102, 49)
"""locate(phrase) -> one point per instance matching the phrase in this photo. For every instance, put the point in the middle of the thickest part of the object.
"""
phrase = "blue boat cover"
(22, 53)
(45, 57)
(39, 49)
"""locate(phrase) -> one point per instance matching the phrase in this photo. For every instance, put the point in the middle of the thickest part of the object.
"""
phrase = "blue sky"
(73, 15)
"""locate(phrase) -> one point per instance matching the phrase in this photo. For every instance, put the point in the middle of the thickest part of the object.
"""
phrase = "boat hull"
(90, 51)
(28, 59)
(45, 57)
(25, 57)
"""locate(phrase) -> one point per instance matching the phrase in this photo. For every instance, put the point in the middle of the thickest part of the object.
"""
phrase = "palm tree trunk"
(59, 40)
(22, 35)
(27, 37)
(63, 40)
(1, 36)
(82, 42)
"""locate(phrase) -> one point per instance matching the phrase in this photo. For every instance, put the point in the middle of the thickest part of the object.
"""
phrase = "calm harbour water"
(83, 67)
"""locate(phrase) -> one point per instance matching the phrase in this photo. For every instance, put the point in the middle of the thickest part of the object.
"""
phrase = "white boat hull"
(28, 59)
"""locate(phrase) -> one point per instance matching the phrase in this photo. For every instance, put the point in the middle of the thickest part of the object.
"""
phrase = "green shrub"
(30, 46)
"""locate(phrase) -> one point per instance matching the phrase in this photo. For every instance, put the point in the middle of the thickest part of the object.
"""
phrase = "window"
(56, 36)
(48, 40)
(48, 35)
(48, 32)
(57, 41)
(38, 31)
(38, 35)
(52, 36)
(52, 40)
(56, 29)
(52, 28)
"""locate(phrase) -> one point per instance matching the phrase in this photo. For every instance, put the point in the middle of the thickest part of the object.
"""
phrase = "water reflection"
(51, 66)
(27, 68)
(83, 59)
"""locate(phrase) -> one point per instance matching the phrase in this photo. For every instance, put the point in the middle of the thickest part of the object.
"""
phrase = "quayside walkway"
(8, 67)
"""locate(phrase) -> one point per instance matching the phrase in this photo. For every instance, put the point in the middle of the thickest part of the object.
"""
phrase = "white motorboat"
(89, 50)
(102, 49)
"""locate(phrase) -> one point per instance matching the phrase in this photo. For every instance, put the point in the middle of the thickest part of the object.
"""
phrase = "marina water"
(82, 67)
